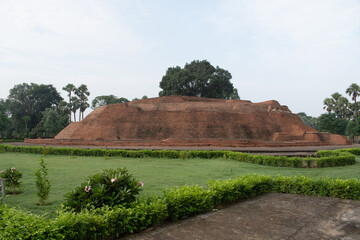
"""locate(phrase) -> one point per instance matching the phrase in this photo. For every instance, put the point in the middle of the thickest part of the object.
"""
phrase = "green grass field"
(66, 172)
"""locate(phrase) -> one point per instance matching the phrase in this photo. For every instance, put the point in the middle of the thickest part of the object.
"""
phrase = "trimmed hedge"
(99, 223)
(187, 201)
(177, 203)
(323, 158)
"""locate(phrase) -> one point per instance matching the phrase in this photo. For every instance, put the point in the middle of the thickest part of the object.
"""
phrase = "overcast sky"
(297, 52)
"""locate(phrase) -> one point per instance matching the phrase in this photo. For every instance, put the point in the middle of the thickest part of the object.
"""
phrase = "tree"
(75, 105)
(70, 88)
(329, 105)
(143, 97)
(235, 94)
(200, 79)
(83, 93)
(353, 91)
(352, 129)
(106, 100)
(53, 121)
(4, 119)
(338, 105)
(332, 124)
(30, 100)
(308, 120)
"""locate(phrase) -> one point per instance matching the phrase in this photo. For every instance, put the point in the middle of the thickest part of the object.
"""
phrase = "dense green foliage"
(53, 121)
(339, 159)
(26, 102)
(330, 123)
(175, 204)
(199, 79)
(309, 120)
(4, 119)
(12, 178)
(106, 100)
(33, 110)
(111, 187)
(342, 117)
(187, 201)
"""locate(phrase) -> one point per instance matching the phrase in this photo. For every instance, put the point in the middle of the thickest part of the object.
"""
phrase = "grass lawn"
(66, 172)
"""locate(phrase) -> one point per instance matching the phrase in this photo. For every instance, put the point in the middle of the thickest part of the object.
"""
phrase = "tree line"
(342, 114)
(37, 110)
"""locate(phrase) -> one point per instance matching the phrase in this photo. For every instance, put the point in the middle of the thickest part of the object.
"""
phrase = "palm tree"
(329, 105)
(354, 91)
(337, 104)
(69, 88)
(83, 93)
(75, 105)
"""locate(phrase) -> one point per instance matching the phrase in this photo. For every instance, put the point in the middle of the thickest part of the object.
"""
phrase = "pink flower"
(113, 179)
(141, 183)
(13, 168)
(87, 188)
(2, 171)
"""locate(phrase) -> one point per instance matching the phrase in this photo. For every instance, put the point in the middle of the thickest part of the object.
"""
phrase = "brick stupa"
(192, 121)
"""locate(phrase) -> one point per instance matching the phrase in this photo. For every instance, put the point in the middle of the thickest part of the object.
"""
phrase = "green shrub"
(18, 224)
(187, 201)
(42, 182)
(339, 188)
(12, 178)
(245, 187)
(111, 188)
(101, 223)
(323, 158)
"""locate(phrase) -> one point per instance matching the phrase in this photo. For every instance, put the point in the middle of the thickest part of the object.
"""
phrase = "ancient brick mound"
(192, 121)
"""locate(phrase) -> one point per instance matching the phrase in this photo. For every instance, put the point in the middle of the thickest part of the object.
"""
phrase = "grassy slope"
(66, 172)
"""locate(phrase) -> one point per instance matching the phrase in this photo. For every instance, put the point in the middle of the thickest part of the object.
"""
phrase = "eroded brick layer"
(179, 120)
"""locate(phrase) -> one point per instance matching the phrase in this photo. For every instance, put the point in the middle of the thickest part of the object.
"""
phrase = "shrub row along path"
(270, 216)
(286, 151)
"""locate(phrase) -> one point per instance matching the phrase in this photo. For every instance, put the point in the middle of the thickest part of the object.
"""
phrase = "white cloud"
(307, 27)
(61, 28)
(287, 45)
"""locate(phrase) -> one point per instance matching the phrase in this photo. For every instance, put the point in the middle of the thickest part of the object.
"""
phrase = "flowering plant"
(12, 178)
(111, 187)
(87, 188)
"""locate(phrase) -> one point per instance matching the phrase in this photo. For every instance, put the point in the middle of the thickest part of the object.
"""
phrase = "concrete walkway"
(270, 216)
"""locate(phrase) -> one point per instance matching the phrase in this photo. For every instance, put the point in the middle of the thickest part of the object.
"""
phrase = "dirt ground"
(270, 216)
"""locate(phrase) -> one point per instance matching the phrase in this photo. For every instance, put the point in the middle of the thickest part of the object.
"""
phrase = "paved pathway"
(270, 216)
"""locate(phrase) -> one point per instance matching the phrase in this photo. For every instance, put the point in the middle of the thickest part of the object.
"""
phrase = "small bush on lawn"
(187, 201)
(110, 188)
(42, 182)
(12, 178)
